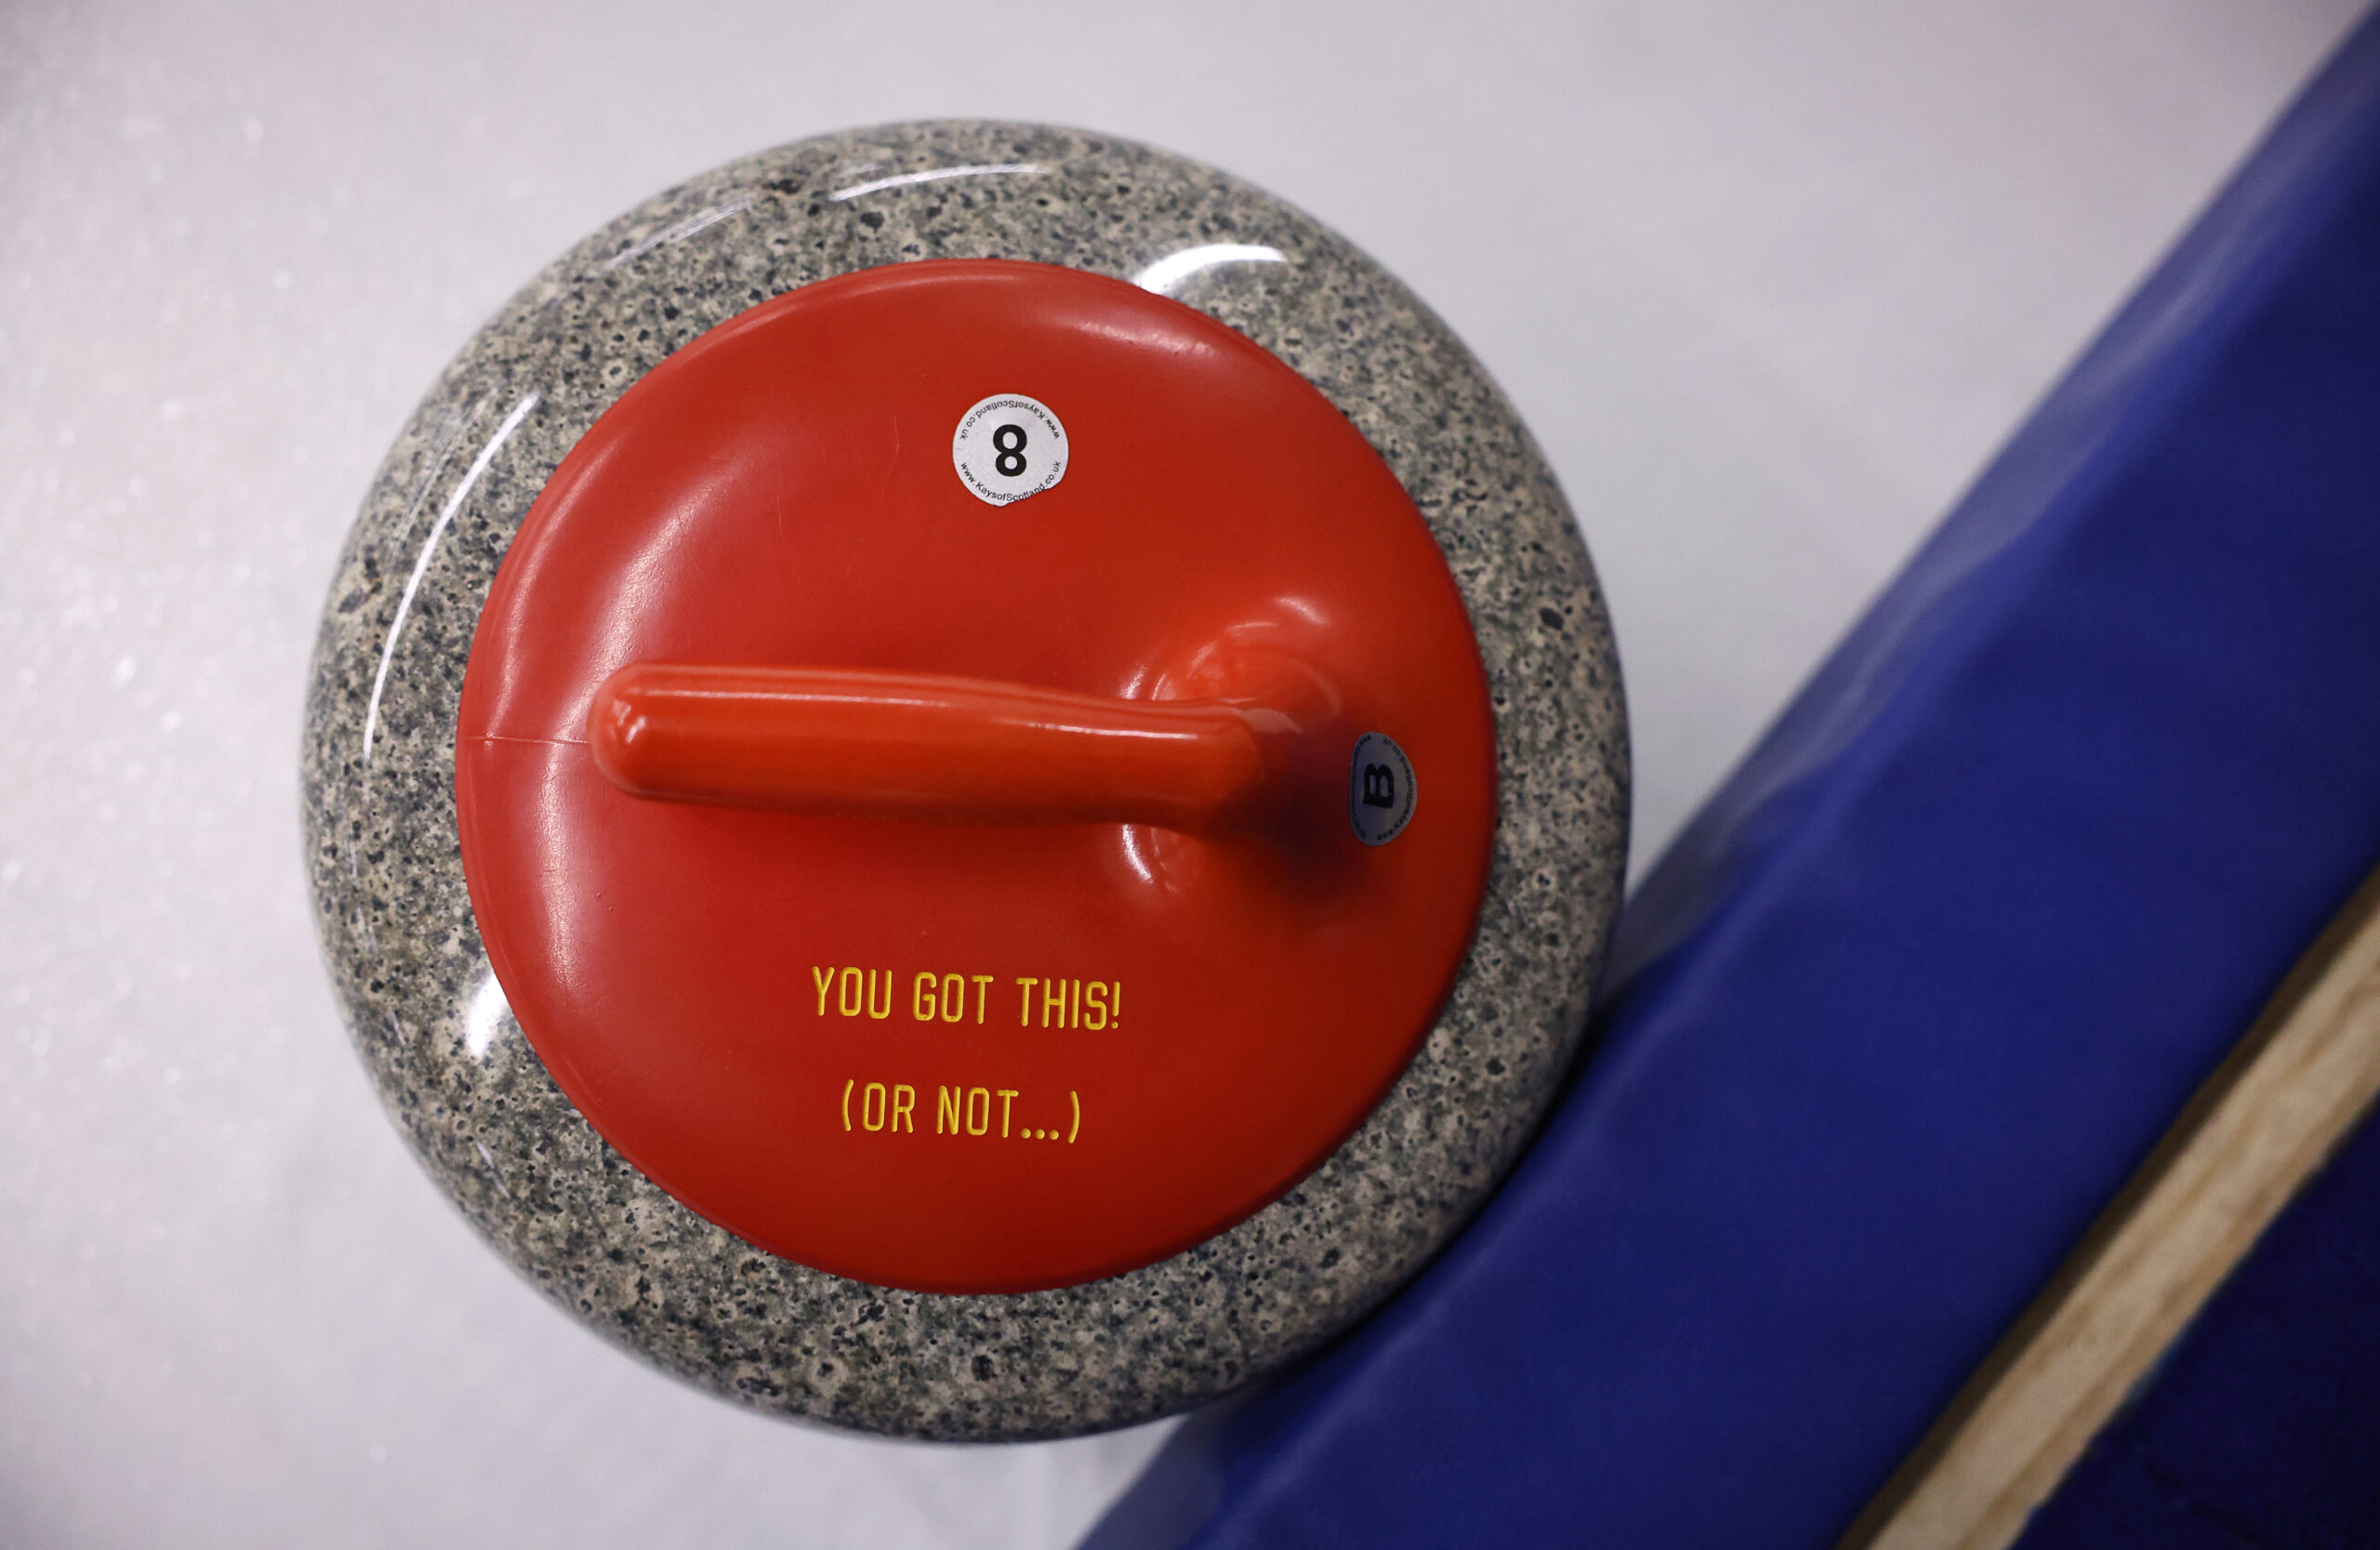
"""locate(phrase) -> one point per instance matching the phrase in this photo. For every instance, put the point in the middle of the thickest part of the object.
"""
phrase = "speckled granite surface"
(593, 1232)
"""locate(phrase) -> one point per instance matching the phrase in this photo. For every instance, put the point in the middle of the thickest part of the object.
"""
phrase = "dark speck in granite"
(589, 1230)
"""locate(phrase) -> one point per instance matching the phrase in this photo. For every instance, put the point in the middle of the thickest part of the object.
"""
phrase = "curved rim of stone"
(585, 1227)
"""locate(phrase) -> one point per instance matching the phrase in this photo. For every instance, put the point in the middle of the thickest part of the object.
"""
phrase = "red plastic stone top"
(975, 777)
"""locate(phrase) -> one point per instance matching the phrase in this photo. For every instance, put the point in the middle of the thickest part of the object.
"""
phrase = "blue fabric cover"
(1928, 978)
(2261, 1431)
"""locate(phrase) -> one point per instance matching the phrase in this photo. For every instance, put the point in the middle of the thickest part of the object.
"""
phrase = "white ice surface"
(1769, 281)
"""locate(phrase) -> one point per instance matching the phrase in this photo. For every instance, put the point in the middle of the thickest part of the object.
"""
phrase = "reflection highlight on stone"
(1174, 268)
(485, 1016)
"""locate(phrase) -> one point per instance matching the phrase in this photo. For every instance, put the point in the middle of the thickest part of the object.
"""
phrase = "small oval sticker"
(1007, 448)
(1380, 789)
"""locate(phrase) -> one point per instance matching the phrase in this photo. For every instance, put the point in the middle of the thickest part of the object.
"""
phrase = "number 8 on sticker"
(1009, 446)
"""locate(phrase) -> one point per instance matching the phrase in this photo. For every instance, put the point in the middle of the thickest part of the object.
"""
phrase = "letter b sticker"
(1380, 789)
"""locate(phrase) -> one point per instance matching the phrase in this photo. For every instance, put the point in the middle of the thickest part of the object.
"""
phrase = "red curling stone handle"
(852, 741)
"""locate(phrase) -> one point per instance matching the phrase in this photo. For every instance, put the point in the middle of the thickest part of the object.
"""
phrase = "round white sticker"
(1380, 789)
(1009, 446)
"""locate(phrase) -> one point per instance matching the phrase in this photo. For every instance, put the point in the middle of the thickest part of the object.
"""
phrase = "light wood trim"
(2260, 1127)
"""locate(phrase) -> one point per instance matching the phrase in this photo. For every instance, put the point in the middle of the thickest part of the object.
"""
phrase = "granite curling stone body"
(966, 780)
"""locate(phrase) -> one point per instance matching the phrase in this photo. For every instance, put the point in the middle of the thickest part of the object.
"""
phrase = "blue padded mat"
(1927, 979)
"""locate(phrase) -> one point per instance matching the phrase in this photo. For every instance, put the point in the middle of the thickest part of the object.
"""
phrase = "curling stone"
(965, 780)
